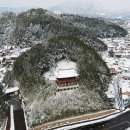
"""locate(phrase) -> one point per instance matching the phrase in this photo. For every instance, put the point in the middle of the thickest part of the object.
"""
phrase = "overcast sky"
(29, 3)
(109, 4)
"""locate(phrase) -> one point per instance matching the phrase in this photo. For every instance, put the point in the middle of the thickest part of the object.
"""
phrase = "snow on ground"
(2, 73)
(121, 64)
(8, 54)
(64, 66)
(111, 91)
(62, 73)
(125, 85)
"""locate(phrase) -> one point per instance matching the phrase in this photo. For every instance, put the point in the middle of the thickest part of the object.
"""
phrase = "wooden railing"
(73, 120)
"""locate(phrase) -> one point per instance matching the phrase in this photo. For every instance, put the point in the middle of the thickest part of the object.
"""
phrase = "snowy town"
(117, 58)
(8, 54)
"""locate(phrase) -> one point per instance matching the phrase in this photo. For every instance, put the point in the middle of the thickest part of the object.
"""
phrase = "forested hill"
(42, 103)
(37, 25)
(100, 26)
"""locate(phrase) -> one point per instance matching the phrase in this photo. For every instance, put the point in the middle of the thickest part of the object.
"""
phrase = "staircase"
(8, 122)
(19, 120)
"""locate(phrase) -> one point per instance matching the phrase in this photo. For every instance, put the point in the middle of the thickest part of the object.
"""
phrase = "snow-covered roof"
(63, 68)
(110, 61)
(1, 58)
(110, 96)
(7, 47)
(66, 73)
(111, 45)
(10, 90)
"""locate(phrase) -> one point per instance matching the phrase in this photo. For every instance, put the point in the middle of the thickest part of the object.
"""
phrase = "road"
(121, 122)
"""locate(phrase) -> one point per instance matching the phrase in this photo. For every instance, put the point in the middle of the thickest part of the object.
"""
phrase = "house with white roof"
(12, 91)
(110, 47)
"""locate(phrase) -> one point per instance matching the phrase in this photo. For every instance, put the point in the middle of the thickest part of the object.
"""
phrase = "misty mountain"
(12, 9)
(80, 8)
(89, 8)
(121, 15)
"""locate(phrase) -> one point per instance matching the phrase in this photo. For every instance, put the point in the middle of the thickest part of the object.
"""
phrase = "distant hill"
(86, 8)
(37, 25)
(92, 8)
(11, 9)
(101, 27)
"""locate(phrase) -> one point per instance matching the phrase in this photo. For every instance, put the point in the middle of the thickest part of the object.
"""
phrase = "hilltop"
(101, 27)
(94, 79)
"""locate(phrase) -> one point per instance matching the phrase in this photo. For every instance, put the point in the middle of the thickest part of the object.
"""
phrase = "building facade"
(66, 79)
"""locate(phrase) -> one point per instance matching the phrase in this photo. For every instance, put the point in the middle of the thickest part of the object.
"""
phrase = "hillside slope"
(43, 104)
(101, 27)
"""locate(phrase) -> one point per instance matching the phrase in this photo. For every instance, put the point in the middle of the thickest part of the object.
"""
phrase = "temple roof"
(10, 90)
(66, 73)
